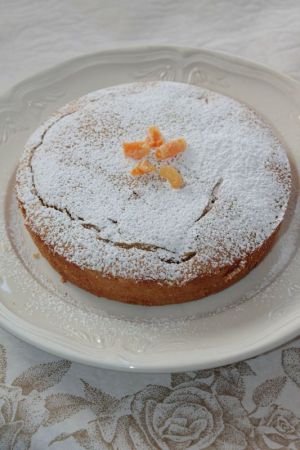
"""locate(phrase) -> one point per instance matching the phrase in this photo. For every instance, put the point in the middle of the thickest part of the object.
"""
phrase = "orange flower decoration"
(164, 150)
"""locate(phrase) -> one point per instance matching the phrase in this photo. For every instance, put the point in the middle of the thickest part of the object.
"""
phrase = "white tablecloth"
(45, 401)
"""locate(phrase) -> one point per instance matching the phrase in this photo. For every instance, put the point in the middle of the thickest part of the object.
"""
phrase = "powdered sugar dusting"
(76, 189)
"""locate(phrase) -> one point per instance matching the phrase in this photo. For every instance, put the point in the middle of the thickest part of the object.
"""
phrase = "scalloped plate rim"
(123, 364)
(146, 48)
(117, 362)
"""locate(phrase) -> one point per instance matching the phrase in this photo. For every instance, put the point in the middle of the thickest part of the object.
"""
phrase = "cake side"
(80, 202)
(149, 292)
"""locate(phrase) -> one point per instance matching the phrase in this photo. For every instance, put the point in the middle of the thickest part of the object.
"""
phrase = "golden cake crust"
(147, 292)
(137, 240)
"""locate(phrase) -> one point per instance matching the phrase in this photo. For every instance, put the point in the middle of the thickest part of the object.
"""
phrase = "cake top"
(78, 194)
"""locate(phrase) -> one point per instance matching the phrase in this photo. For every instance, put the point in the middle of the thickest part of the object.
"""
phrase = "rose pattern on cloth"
(199, 410)
(206, 409)
(280, 426)
(23, 402)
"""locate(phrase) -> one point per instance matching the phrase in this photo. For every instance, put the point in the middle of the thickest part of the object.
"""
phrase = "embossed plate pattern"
(254, 315)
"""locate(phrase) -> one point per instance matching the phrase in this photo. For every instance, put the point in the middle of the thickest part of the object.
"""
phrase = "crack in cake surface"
(212, 199)
(138, 245)
(125, 245)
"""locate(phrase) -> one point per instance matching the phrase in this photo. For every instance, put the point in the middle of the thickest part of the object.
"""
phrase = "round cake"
(143, 239)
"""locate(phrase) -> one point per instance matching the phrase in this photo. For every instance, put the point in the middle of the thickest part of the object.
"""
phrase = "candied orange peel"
(136, 150)
(142, 168)
(164, 150)
(171, 148)
(172, 175)
(154, 137)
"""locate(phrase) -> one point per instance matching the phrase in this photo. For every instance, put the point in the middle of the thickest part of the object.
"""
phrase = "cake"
(137, 239)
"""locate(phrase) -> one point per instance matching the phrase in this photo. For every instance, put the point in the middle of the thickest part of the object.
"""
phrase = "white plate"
(254, 315)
